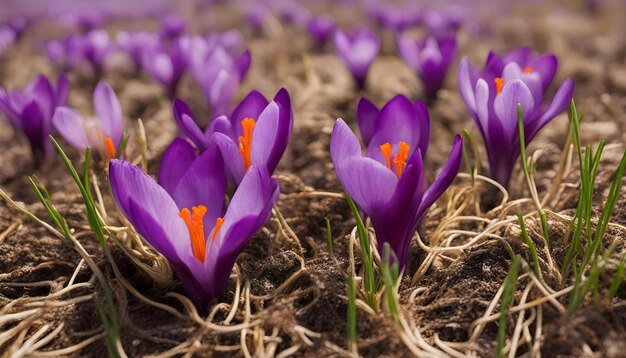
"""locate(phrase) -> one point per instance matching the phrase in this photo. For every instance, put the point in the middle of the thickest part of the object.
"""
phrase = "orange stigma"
(528, 70)
(399, 160)
(110, 147)
(216, 229)
(195, 225)
(245, 141)
(499, 83)
(386, 149)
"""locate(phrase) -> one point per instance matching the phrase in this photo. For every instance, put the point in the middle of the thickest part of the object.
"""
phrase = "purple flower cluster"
(31, 110)
(430, 58)
(493, 94)
(388, 183)
(103, 134)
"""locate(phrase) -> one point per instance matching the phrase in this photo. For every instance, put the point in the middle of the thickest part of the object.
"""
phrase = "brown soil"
(292, 286)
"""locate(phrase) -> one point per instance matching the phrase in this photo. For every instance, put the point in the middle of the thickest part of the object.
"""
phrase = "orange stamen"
(400, 159)
(216, 229)
(110, 147)
(499, 83)
(195, 225)
(386, 149)
(245, 141)
(528, 70)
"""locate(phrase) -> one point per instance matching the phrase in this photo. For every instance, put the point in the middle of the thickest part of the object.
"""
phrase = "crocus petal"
(204, 183)
(396, 122)
(466, 86)
(232, 156)
(187, 125)
(109, 111)
(70, 124)
(220, 124)
(129, 185)
(366, 116)
(34, 126)
(343, 143)
(546, 66)
(272, 132)
(43, 93)
(505, 105)
(250, 107)
(175, 161)
(242, 64)
(423, 123)
(521, 56)
(62, 90)
(482, 105)
(368, 182)
(561, 100)
(445, 178)
(247, 211)
(264, 135)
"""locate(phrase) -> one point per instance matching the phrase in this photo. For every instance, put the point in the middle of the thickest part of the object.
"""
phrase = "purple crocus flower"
(166, 64)
(492, 96)
(217, 72)
(357, 49)
(320, 28)
(136, 43)
(256, 133)
(184, 216)
(444, 23)
(93, 47)
(398, 18)
(388, 183)
(31, 109)
(103, 134)
(97, 47)
(430, 58)
(172, 26)
(257, 15)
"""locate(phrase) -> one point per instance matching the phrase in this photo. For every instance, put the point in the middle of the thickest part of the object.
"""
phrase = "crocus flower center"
(245, 141)
(499, 81)
(110, 147)
(399, 161)
(106, 147)
(195, 225)
(528, 70)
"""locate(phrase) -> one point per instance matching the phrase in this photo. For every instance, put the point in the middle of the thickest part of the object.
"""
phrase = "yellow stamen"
(245, 141)
(195, 225)
(400, 159)
(499, 83)
(528, 70)
(110, 147)
(216, 229)
(386, 149)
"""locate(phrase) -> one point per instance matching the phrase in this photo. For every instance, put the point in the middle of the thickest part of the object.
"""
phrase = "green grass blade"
(507, 297)
(329, 237)
(368, 259)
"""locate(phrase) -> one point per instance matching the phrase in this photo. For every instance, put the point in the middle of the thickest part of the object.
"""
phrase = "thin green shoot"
(389, 273)
(99, 230)
(329, 237)
(368, 258)
(618, 279)
(508, 292)
(474, 168)
(527, 175)
(531, 246)
(592, 252)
